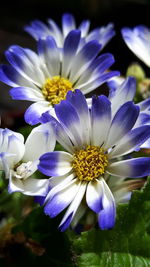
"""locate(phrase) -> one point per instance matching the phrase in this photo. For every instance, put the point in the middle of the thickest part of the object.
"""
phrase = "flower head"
(95, 142)
(37, 29)
(19, 160)
(46, 77)
(138, 40)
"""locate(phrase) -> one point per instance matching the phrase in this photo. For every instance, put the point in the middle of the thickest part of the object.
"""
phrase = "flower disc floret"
(55, 89)
(89, 163)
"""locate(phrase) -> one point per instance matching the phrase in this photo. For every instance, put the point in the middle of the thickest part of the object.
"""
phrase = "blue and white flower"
(95, 142)
(122, 90)
(138, 40)
(37, 29)
(19, 161)
(46, 77)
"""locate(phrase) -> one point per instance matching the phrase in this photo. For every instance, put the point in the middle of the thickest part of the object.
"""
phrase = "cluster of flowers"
(95, 170)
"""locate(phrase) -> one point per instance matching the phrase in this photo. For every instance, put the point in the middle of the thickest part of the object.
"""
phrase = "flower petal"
(92, 84)
(83, 59)
(41, 140)
(57, 184)
(47, 49)
(60, 132)
(26, 63)
(12, 143)
(107, 215)
(124, 93)
(34, 112)
(100, 119)
(94, 194)
(133, 140)
(84, 28)
(30, 186)
(122, 123)
(61, 200)
(138, 41)
(69, 118)
(55, 163)
(13, 78)
(71, 211)
(78, 101)
(134, 168)
(69, 51)
(102, 34)
(26, 93)
(68, 23)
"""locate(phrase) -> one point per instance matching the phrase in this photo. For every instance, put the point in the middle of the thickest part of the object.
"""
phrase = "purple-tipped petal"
(122, 123)
(134, 168)
(100, 119)
(55, 163)
(107, 215)
(94, 195)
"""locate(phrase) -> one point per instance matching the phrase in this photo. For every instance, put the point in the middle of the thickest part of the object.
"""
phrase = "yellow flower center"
(89, 163)
(55, 89)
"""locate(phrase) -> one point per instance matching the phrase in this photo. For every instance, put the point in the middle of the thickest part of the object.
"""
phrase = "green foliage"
(127, 244)
(40, 228)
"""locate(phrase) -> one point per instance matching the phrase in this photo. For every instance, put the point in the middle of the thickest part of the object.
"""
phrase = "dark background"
(15, 14)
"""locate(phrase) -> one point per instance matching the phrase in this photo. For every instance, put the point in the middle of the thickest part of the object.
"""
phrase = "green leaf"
(127, 244)
(112, 259)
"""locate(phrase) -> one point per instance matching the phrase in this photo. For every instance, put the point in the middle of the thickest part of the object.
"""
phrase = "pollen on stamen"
(89, 163)
(55, 89)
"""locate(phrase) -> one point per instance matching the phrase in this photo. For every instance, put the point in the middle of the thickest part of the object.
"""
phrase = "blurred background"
(34, 235)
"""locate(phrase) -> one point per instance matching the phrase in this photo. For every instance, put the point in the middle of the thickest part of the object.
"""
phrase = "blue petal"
(71, 42)
(68, 23)
(69, 118)
(84, 28)
(69, 51)
(33, 113)
(8, 75)
(107, 217)
(102, 63)
(26, 93)
(134, 168)
(100, 119)
(126, 90)
(37, 29)
(55, 163)
(122, 123)
(94, 195)
(84, 58)
(61, 199)
(40, 200)
(132, 141)
(144, 105)
(66, 223)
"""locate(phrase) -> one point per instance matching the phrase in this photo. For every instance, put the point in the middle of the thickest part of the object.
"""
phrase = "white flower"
(19, 160)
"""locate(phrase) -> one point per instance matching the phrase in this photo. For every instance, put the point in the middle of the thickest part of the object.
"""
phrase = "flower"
(45, 78)
(19, 160)
(122, 90)
(138, 40)
(37, 29)
(95, 142)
